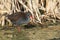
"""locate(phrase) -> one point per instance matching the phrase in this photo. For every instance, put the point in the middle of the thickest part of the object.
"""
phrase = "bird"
(20, 18)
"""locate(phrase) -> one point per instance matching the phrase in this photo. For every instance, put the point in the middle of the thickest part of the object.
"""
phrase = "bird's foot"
(18, 29)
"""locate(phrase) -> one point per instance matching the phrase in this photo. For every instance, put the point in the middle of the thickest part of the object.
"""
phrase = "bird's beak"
(31, 18)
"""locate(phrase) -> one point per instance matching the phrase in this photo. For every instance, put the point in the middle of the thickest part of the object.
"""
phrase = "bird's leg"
(18, 28)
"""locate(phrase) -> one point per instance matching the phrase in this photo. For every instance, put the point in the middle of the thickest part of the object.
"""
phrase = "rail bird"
(20, 18)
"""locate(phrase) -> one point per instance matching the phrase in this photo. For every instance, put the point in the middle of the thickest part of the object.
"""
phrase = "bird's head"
(30, 16)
